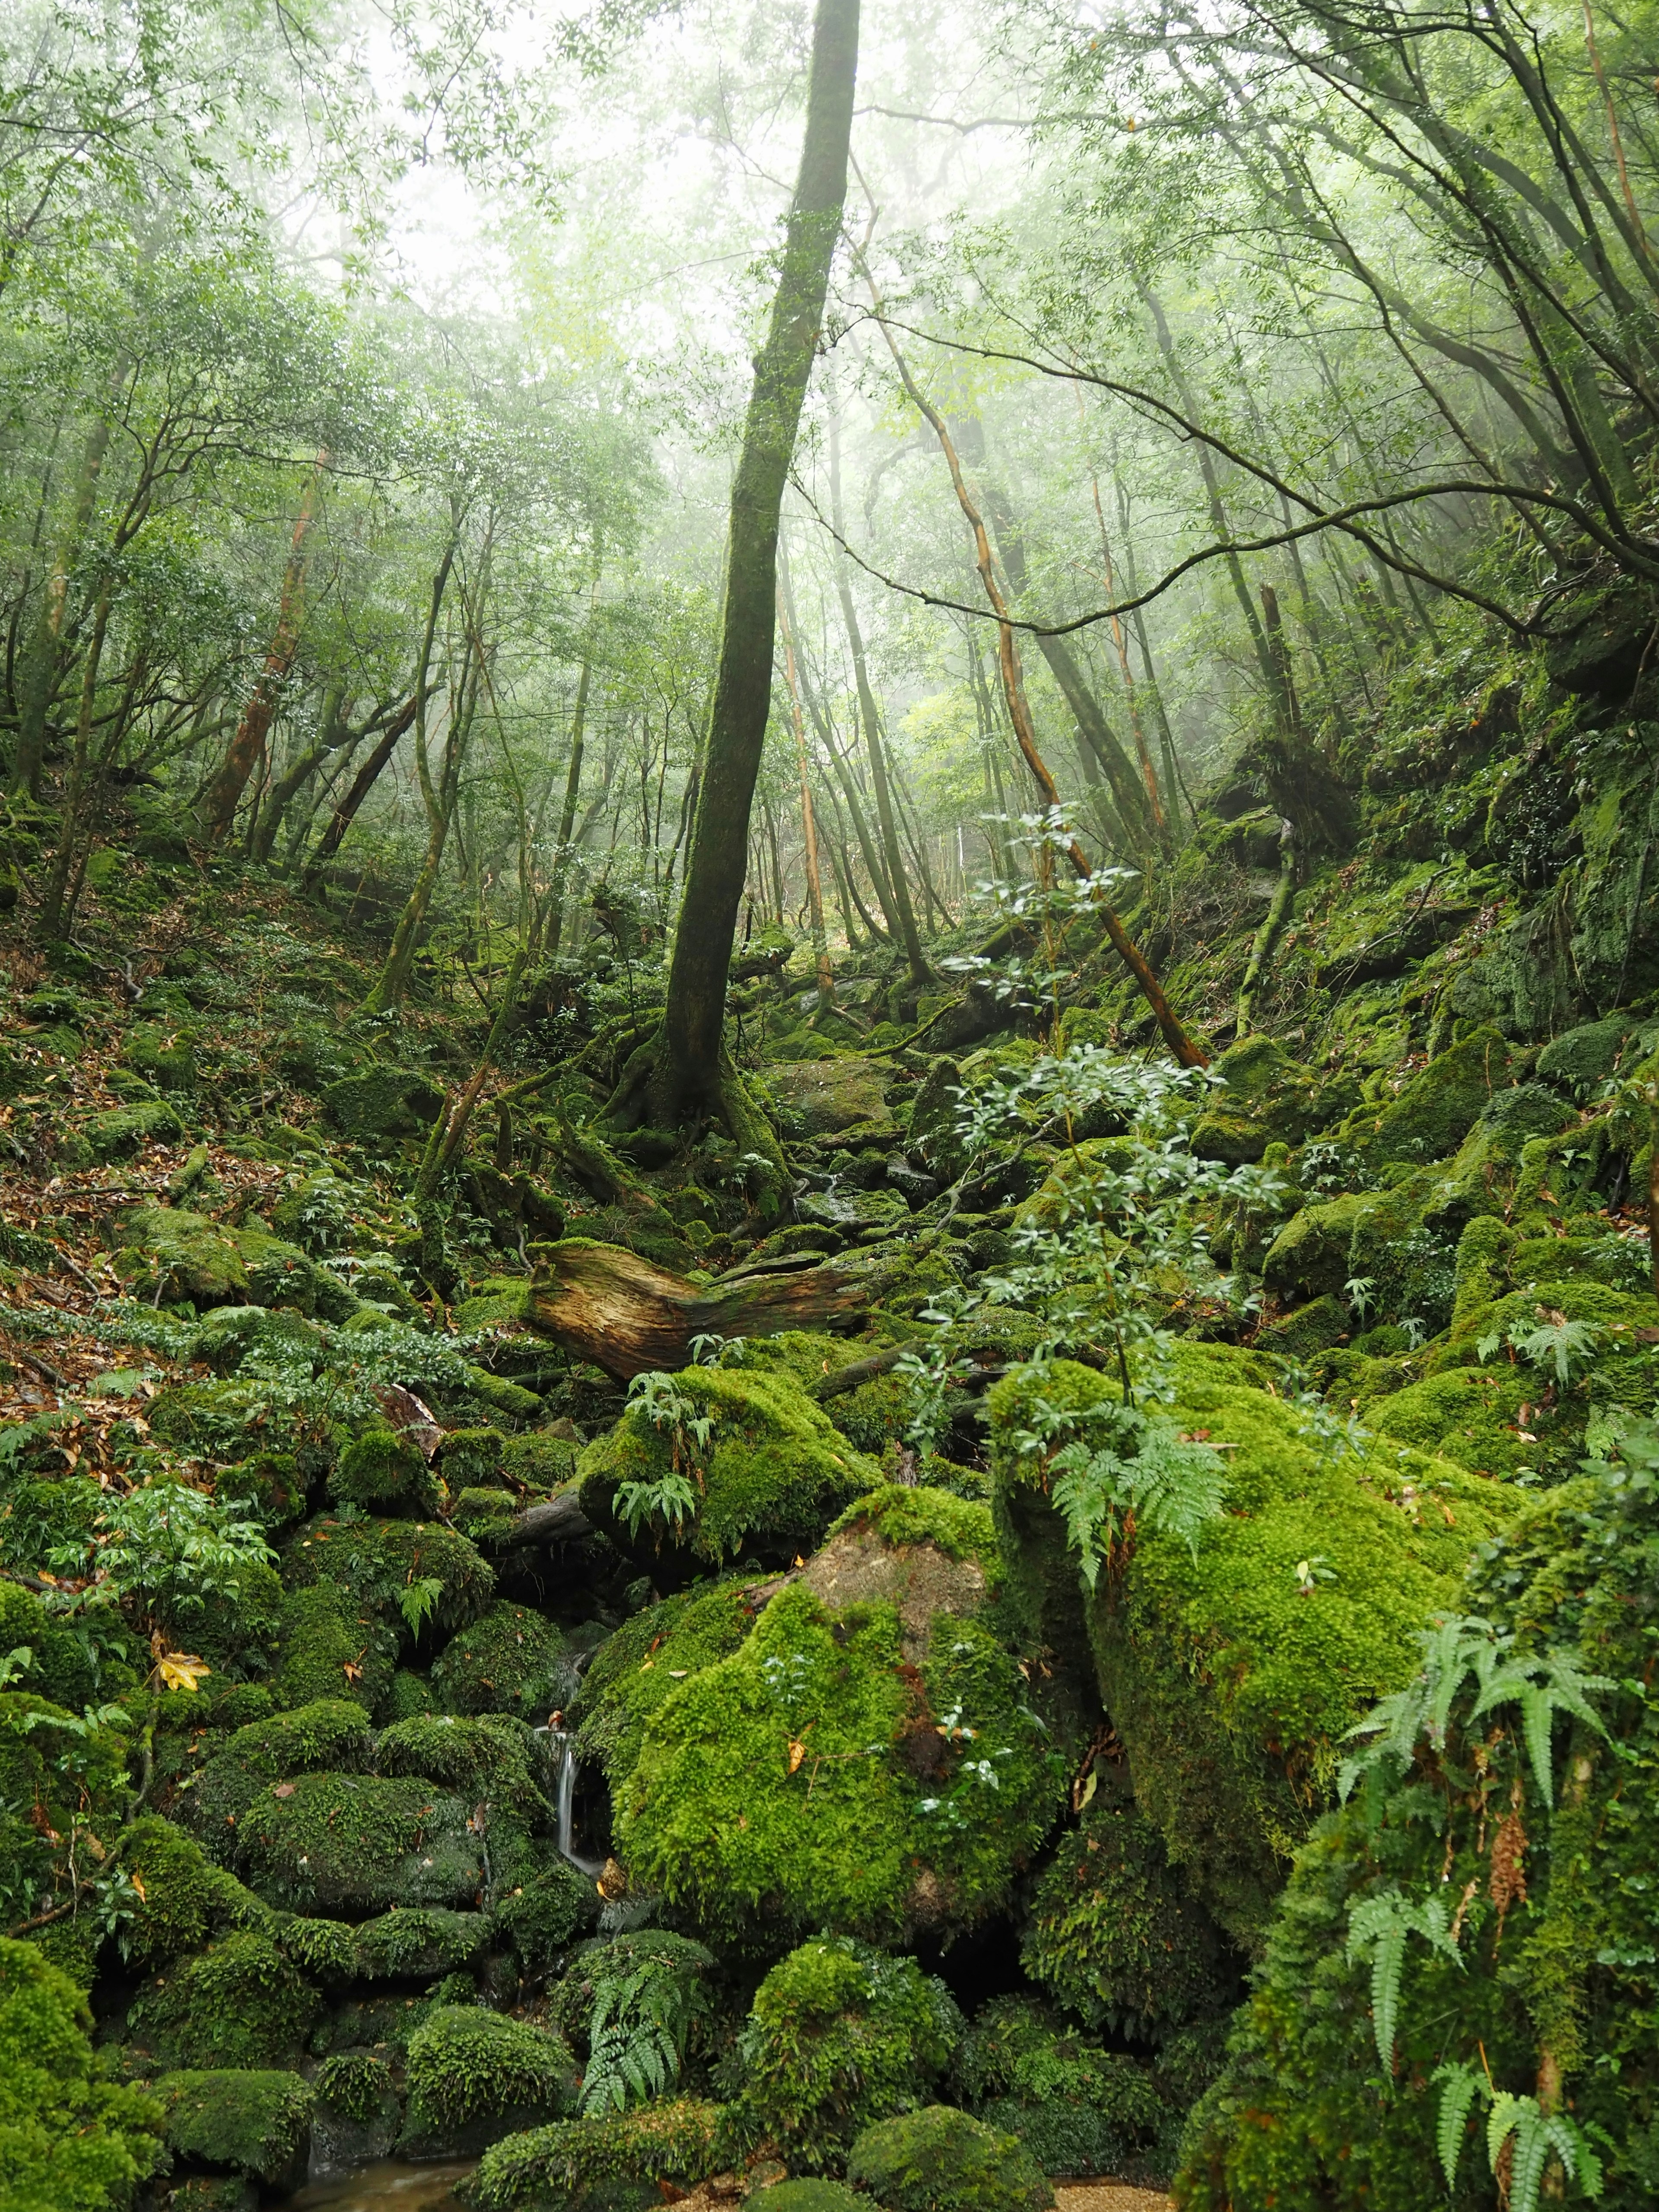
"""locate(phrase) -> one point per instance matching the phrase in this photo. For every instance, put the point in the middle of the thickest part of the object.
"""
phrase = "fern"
(1559, 1342)
(1537, 2134)
(1460, 2086)
(636, 2042)
(1380, 1924)
(418, 1602)
(670, 1500)
(1145, 1475)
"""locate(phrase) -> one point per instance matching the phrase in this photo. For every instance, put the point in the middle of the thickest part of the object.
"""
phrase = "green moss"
(484, 1515)
(913, 1513)
(1077, 2109)
(1265, 1096)
(183, 1897)
(238, 2003)
(60, 1667)
(1581, 1059)
(774, 1470)
(476, 2075)
(1116, 1934)
(1230, 1687)
(326, 1949)
(419, 1946)
(572, 2165)
(70, 2140)
(469, 1456)
(120, 1131)
(373, 1564)
(1437, 1108)
(382, 1101)
(809, 1780)
(354, 2083)
(358, 1842)
(547, 1914)
(812, 2194)
(1479, 1265)
(255, 2122)
(613, 1959)
(409, 1696)
(839, 2036)
(940, 2160)
(329, 1648)
(510, 1659)
(1472, 1416)
(383, 1467)
(1310, 1255)
(539, 1461)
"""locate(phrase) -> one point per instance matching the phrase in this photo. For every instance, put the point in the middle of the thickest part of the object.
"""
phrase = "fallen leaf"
(182, 1670)
(283, 1789)
(797, 1753)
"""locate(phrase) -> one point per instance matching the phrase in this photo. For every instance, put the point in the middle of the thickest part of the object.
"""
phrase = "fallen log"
(608, 1305)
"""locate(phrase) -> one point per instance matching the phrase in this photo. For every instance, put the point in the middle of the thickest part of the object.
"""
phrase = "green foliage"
(916, 1513)
(1135, 1471)
(1077, 2109)
(635, 2002)
(180, 1897)
(416, 1571)
(70, 2140)
(838, 2036)
(172, 1553)
(940, 2160)
(383, 1467)
(636, 1670)
(812, 2194)
(254, 2122)
(509, 1660)
(466, 2066)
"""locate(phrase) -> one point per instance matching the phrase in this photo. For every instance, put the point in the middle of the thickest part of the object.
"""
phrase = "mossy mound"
(637, 1670)
(1076, 2109)
(383, 1467)
(839, 2036)
(1116, 1935)
(1265, 1096)
(361, 1842)
(544, 1916)
(771, 1472)
(1230, 1683)
(382, 1101)
(810, 2194)
(612, 1958)
(509, 1660)
(826, 1774)
(171, 1253)
(376, 1564)
(239, 2003)
(405, 1946)
(1439, 1107)
(330, 1647)
(256, 2123)
(940, 2160)
(70, 2140)
(474, 2076)
(183, 1898)
(119, 1131)
(575, 2166)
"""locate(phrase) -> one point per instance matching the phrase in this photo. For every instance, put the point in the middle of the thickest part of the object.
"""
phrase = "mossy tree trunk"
(684, 1071)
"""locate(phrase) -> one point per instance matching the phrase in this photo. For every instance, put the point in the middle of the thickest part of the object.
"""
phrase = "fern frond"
(1461, 2084)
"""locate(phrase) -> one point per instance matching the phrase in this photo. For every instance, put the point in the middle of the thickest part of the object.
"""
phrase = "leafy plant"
(669, 1498)
(1378, 1926)
(417, 1601)
(637, 2039)
(1518, 2123)
(1555, 1342)
(166, 1549)
(1141, 1473)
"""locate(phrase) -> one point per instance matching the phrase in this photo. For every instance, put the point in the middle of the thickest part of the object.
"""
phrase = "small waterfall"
(560, 1750)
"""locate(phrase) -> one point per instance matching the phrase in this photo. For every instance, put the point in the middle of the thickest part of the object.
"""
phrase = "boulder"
(827, 1096)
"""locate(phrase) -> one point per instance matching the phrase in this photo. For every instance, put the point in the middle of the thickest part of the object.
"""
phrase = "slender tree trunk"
(50, 920)
(40, 672)
(1019, 712)
(332, 733)
(826, 974)
(217, 810)
(573, 787)
(686, 1071)
(903, 912)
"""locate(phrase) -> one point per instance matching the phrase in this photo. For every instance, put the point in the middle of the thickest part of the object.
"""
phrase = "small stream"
(389, 2187)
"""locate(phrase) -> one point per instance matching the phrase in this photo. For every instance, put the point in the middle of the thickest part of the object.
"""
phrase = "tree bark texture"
(688, 1072)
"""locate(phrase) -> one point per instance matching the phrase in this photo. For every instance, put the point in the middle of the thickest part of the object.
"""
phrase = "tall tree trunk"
(826, 974)
(1019, 712)
(40, 672)
(219, 802)
(903, 913)
(686, 1071)
(55, 898)
(573, 787)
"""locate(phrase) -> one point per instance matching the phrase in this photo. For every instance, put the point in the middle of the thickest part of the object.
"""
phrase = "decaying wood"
(610, 1306)
(858, 1370)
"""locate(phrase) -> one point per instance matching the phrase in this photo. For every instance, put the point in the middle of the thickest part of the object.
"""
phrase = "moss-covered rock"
(258, 2123)
(812, 2193)
(70, 2140)
(377, 1563)
(1265, 1096)
(1309, 1257)
(384, 1468)
(1076, 2109)
(839, 2036)
(328, 1647)
(1437, 1109)
(544, 1916)
(1230, 1680)
(579, 2165)
(183, 1898)
(637, 1670)
(382, 1102)
(120, 1131)
(932, 1135)
(509, 1660)
(358, 1843)
(833, 1773)
(824, 1097)
(1581, 1059)
(940, 2160)
(171, 1253)
(416, 1945)
(770, 1470)
(475, 2077)
(238, 2003)
(1116, 1934)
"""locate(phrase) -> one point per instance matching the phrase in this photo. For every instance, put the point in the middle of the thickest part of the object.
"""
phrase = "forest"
(829, 1105)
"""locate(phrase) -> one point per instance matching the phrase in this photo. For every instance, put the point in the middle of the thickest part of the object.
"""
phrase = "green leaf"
(1461, 2086)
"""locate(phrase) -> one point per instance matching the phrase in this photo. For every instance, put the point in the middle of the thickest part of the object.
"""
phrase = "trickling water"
(388, 2187)
(560, 1750)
